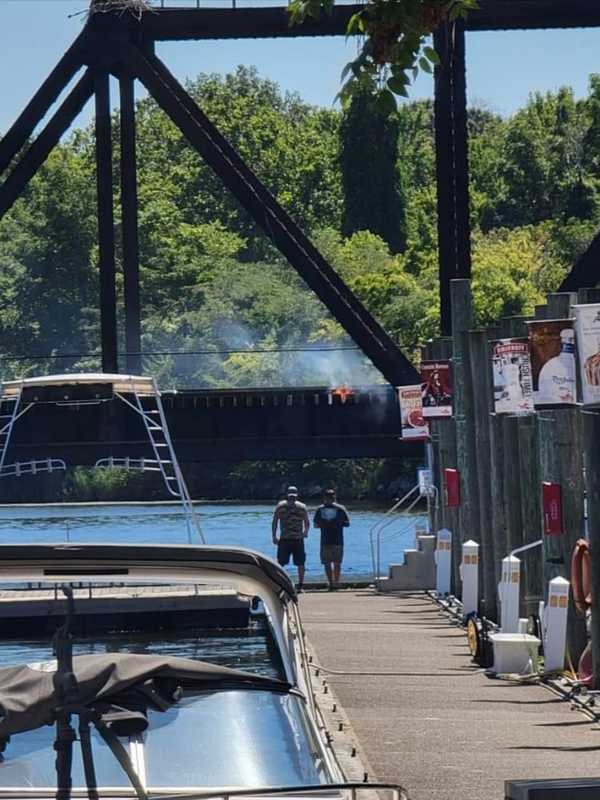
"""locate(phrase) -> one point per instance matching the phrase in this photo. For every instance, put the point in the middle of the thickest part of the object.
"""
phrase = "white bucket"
(515, 653)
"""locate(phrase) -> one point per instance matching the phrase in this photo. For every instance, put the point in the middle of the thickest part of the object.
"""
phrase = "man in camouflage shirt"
(291, 517)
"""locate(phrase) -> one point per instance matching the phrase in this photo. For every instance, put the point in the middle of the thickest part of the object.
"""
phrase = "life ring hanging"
(581, 575)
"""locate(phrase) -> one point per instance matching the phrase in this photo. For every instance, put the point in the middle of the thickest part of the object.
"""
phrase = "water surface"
(238, 525)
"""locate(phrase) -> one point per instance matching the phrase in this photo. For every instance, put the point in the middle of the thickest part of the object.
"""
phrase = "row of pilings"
(502, 461)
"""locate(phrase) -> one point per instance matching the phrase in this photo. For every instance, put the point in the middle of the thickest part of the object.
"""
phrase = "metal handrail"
(326, 789)
(387, 519)
(398, 791)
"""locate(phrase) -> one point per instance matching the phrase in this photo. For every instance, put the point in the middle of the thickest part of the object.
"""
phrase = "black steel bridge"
(225, 425)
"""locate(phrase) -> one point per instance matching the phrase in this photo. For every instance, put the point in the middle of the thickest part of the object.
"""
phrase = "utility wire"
(190, 353)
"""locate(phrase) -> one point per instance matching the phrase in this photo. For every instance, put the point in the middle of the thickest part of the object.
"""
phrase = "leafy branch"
(394, 48)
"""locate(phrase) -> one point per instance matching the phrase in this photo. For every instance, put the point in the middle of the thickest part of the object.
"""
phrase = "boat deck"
(435, 723)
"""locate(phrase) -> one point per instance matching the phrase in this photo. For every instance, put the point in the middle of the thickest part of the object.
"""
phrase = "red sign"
(552, 505)
(452, 486)
(436, 389)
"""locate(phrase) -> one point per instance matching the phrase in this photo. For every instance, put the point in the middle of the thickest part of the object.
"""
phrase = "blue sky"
(503, 68)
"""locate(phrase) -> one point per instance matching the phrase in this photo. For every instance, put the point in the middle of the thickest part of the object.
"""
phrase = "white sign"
(411, 412)
(587, 328)
(513, 387)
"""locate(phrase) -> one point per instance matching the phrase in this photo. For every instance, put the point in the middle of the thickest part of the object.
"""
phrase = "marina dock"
(423, 714)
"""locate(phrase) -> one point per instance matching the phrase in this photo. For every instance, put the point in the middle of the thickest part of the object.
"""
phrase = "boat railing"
(381, 529)
(21, 468)
(352, 790)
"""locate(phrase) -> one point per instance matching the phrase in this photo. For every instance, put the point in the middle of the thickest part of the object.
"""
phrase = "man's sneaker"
(300, 588)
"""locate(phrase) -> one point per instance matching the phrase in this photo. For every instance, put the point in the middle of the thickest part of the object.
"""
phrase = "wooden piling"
(498, 517)
(532, 580)
(481, 381)
(512, 482)
(591, 437)
(462, 321)
(561, 461)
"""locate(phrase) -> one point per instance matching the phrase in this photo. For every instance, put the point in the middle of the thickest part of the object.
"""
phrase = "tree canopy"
(212, 284)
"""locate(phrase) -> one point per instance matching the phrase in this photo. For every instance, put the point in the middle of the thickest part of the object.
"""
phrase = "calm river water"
(242, 525)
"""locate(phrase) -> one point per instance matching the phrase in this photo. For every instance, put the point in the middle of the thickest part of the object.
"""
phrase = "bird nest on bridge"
(135, 7)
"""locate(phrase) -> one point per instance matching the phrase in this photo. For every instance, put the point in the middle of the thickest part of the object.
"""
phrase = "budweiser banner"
(436, 389)
(553, 362)
(513, 389)
(587, 327)
(411, 413)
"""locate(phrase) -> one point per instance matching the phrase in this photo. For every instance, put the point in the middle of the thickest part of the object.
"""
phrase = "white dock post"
(555, 624)
(443, 562)
(508, 593)
(469, 573)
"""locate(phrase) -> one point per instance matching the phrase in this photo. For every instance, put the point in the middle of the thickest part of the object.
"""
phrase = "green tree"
(373, 193)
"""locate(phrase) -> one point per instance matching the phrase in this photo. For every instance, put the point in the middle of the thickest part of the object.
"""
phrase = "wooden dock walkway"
(435, 723)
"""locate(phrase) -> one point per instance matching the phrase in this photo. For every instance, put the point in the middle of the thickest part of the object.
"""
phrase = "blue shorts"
(293, 548)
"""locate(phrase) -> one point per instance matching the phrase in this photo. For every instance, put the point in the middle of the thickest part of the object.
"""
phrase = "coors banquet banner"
(513, 389)
(436, 389)
(553, 362)
(587, 327)
(411, 413)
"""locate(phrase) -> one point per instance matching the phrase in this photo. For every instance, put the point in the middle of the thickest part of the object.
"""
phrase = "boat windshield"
(233, 738)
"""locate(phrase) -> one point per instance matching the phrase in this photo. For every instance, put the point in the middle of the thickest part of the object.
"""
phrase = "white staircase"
(417, 571)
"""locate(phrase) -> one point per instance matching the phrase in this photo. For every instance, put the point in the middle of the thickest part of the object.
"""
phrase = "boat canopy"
(39, 562)
(121, 682)
(120, 383)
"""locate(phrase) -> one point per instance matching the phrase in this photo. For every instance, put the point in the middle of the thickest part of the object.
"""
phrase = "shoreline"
(358, 505)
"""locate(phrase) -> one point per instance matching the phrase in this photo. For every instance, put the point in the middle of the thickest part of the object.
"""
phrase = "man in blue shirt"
(331, 518)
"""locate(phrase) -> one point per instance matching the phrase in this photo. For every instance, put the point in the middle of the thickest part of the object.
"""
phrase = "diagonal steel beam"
(586, 270)
(37, 108)
(39, 151)
(270, 216)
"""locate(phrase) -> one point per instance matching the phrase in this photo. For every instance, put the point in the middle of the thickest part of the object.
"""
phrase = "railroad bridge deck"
(226, 425)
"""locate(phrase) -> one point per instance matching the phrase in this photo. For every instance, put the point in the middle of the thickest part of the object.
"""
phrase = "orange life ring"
(581, 575)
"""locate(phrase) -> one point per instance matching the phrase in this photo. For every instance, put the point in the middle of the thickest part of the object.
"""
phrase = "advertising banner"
(587, 328)
(411, 413)
(553, 362)
(436, 389)
(513, 389)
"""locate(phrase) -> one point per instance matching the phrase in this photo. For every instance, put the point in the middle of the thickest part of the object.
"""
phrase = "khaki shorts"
(332, 553)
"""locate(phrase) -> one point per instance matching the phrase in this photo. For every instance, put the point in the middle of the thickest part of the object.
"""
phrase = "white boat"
(149, 724)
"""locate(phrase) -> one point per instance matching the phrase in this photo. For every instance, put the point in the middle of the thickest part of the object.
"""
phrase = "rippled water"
(246, 648)
(240, 525)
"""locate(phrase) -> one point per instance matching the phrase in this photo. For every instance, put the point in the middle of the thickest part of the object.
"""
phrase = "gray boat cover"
(28, 698)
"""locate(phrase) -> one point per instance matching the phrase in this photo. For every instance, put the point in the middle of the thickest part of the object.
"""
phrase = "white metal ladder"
(149, 406)
(9, 414)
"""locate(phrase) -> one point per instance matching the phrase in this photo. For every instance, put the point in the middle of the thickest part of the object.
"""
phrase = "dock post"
(532, 585)
(591, 437)
(555, 624)
(481, 374)
(443, 562)
(469, 571)
(561, 462)
(462, 321)
(508, 591)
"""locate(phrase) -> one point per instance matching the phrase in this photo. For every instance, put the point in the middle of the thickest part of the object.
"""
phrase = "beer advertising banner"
(587, 328)
(436, 389)
(553, 362)
(513, 388)
(411, 413)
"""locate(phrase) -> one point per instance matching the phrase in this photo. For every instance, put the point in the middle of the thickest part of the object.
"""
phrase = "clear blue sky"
(503, 68)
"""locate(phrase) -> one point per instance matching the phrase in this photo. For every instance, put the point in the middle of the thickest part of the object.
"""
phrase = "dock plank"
(438, 726)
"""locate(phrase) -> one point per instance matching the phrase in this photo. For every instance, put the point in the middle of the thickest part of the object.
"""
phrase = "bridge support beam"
(129, 225)
(106, 231)
(452, 164)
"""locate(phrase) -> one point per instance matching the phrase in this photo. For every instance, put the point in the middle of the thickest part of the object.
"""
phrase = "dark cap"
(329, 493)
